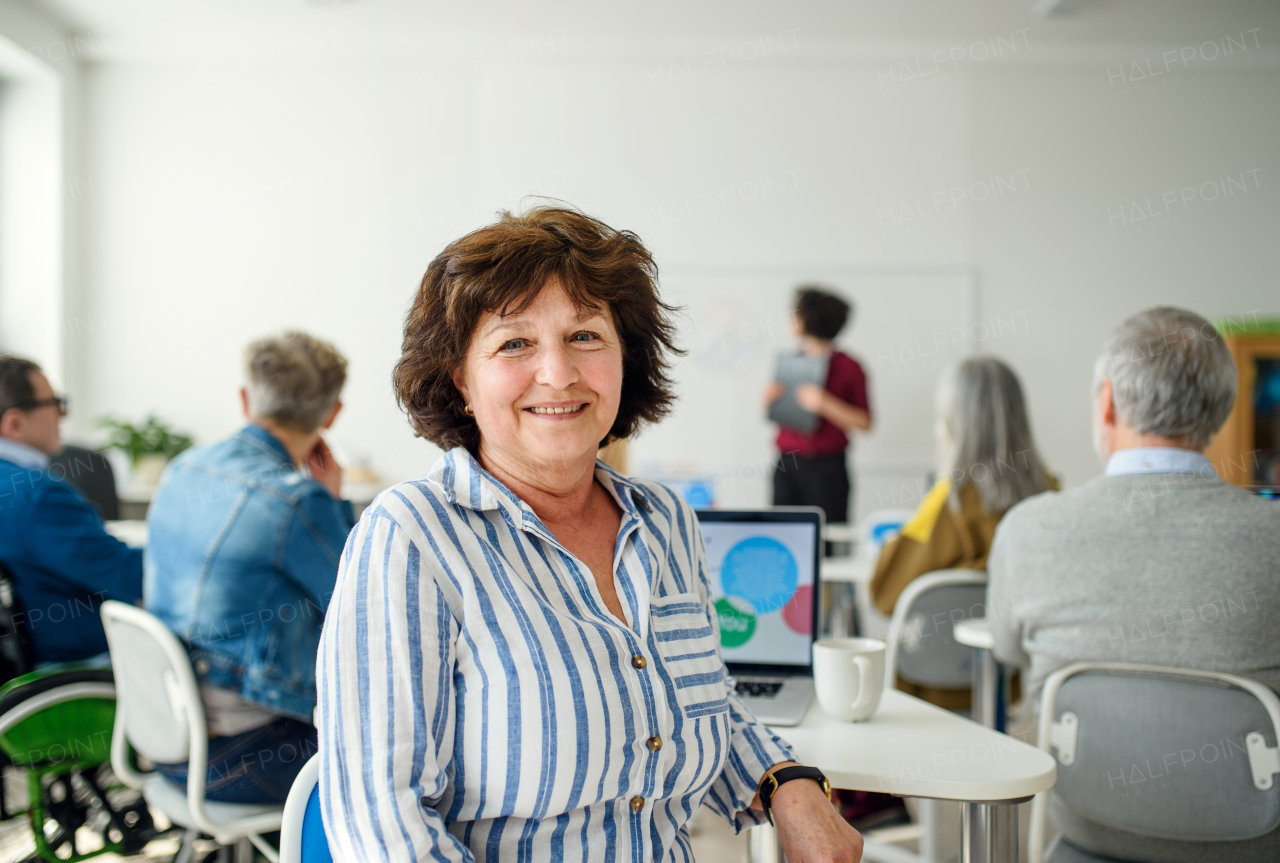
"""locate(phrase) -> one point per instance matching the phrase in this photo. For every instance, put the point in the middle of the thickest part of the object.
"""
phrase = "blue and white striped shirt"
(479, 702)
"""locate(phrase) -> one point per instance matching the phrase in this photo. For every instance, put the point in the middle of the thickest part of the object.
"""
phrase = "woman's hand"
(810, 397)
(837, 411)
(809, 827)
(773, 392)
(325, 469)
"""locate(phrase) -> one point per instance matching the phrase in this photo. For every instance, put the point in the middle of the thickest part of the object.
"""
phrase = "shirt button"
(655, 743)
(639, 662)
(637, 803)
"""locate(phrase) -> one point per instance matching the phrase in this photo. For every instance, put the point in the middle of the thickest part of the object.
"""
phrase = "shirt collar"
(466, 483)
(22, 455)
(1159, 460)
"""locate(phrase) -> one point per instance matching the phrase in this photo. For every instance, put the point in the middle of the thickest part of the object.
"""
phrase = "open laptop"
(764, 578)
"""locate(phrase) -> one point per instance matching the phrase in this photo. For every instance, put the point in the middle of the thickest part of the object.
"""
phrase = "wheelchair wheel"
(58, 726)
(73, 799)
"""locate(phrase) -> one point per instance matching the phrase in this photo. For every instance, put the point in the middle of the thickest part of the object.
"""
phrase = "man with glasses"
(62, 561)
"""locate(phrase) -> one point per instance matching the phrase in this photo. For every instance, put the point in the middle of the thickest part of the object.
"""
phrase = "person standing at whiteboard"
(813, 468)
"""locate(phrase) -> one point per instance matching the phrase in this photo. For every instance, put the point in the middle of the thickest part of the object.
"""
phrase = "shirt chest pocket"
(683, 637)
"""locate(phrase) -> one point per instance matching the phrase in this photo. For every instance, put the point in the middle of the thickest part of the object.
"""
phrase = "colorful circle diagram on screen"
(737, 621)
(797, 614)
(762, 571)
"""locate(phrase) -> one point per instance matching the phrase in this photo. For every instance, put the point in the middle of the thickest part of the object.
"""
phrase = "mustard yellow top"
(936, 537)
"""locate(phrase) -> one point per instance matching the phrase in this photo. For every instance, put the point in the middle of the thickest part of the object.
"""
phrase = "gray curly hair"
(293, 379)
(1171, 375)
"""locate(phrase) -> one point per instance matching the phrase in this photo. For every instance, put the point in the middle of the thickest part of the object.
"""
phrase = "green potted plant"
(149, 446)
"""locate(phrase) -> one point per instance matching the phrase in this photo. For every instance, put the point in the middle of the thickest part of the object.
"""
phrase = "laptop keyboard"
(758, 688)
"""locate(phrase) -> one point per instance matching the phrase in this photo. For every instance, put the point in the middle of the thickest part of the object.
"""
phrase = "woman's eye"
(513, 345)
(584, 337)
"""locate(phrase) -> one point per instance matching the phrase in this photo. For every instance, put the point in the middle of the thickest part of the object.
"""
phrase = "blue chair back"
(315, 844)
(302, 836)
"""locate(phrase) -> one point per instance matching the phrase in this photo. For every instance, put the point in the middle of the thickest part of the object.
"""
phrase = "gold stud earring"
(466, 409)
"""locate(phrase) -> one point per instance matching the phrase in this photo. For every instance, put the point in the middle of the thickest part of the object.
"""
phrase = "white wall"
(39, 135)
(31, 299)
(233, 200)
(1059, 251)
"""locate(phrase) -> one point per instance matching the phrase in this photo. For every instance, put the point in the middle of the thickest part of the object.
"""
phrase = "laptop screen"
(762, 579)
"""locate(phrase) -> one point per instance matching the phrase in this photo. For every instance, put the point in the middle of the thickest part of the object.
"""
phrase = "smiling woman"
(542, 383)
(521, 659)
(496, 273)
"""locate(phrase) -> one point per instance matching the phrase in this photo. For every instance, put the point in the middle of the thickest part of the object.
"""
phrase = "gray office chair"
(90, 472)
(921, 648)
(921, 645)
(1158, 765)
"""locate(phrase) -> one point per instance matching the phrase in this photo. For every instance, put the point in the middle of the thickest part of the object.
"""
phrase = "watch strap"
(772, 781)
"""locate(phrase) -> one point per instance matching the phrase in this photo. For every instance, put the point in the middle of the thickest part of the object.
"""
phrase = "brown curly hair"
(503, 267)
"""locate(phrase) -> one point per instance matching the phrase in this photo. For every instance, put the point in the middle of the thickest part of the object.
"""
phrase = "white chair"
(302, 837)
(921, 648)
(1158, 763)
(159, 713)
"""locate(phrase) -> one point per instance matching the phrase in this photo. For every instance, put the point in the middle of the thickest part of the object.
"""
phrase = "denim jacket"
(241, 561)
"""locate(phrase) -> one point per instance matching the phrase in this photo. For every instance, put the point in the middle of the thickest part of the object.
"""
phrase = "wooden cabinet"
(1246, 451)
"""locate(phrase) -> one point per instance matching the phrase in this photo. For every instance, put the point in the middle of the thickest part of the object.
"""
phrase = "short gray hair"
(294, 379)
(987, 433)
(1171, 375)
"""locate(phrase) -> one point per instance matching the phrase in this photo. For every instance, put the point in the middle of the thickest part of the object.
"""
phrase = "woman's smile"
(559, 412)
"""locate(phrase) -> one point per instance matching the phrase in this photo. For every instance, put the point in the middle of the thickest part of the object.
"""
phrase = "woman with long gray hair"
(987, 463)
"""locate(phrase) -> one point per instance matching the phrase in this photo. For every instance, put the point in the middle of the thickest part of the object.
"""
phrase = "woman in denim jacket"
(241, 560)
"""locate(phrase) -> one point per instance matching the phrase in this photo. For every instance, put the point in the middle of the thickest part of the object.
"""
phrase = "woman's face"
(544, 384)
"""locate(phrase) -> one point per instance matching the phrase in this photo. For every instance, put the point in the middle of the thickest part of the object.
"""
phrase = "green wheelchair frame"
(57, 725)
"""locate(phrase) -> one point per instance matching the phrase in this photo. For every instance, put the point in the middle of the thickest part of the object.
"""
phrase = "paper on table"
(132, 532)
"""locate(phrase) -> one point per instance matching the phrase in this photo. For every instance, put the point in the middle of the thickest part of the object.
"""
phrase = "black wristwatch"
(770, 783)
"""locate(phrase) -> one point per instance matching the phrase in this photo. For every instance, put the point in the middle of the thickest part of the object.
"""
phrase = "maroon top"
(847, 382)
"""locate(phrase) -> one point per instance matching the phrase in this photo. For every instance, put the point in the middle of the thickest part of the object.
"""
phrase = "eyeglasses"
(59, 402)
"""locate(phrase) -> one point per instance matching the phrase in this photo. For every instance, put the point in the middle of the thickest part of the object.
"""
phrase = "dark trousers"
(821, 481)
(257, 766)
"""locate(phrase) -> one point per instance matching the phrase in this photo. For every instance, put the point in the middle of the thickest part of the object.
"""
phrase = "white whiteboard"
(907, 326)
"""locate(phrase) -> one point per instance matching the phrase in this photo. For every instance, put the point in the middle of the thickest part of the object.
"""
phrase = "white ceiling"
(178, 30)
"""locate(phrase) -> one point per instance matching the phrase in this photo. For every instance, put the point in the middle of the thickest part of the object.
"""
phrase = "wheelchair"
(56, 724)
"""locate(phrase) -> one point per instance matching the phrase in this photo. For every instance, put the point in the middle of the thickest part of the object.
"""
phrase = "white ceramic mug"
(848, 675)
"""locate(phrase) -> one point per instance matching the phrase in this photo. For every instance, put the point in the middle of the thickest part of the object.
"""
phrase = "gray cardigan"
(1160, 568)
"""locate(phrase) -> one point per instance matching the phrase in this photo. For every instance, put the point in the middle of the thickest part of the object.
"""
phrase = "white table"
(132, 532)
(848, 570)
(975, 633)
(135, 501)
(912, 749)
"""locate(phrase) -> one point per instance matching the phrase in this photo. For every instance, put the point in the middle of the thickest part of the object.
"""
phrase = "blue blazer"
(63, 561)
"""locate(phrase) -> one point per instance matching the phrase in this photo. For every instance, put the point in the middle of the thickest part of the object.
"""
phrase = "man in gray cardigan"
(1158, 561)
